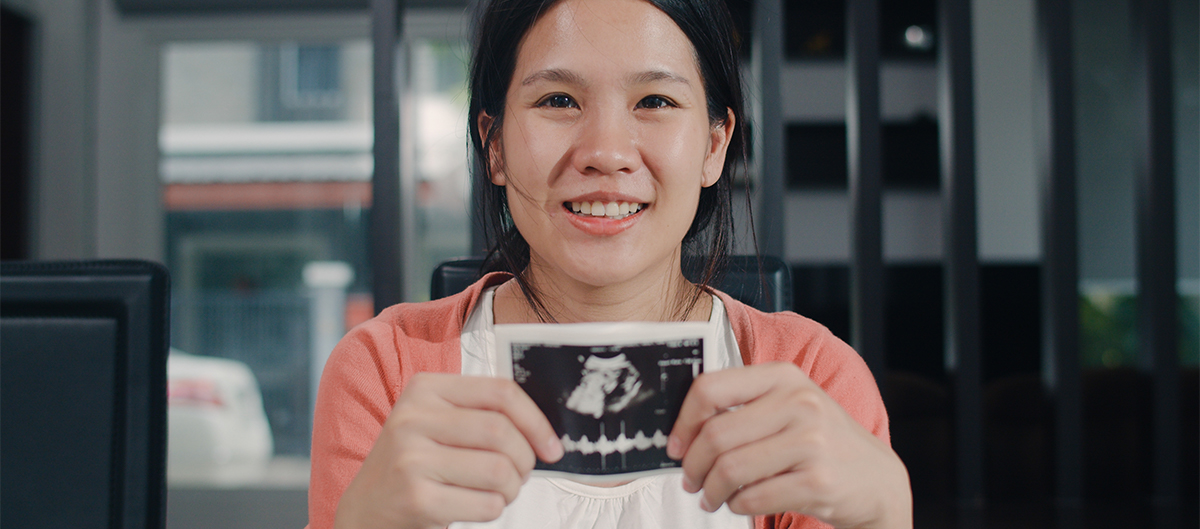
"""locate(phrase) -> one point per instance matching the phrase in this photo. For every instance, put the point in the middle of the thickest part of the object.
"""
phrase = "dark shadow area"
(16, 33)
(1019, 410)
(817, 30)
(816, 155)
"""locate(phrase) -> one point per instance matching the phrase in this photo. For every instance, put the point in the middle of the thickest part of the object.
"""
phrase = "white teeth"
(600, 209)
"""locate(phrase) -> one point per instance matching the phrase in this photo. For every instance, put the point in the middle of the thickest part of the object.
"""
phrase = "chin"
(597, 275)
(604, 271)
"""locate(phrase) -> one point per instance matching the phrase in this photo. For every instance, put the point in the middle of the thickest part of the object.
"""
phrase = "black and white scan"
(612, 404)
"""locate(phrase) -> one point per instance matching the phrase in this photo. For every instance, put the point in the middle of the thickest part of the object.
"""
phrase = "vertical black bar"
(387, 264)
(864, 133)
(16, 32)
(957, 124)
(768, 26)
(1156, 266)
(1060, 254)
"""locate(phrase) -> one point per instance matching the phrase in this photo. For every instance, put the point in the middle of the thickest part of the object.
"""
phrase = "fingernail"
(673, 448)
(704, 504)
(554, 449)
(689, 485)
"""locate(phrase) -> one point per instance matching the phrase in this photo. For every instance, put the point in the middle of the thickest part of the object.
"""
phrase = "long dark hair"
(709, 26)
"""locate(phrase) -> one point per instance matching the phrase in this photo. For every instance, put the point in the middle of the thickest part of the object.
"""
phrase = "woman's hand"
(766, 439)
(453, 449)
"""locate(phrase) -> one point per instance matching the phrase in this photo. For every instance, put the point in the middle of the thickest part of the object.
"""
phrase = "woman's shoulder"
(407, 338)
(835, 366)
(436, 320)
(780, 336)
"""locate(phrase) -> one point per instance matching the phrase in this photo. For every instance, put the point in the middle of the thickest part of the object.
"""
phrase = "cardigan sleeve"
(831, 363)
(358, 388)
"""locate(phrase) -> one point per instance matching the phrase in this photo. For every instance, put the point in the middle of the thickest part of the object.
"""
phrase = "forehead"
(601, 37)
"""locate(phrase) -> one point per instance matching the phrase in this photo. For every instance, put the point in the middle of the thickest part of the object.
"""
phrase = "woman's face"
(606, 108)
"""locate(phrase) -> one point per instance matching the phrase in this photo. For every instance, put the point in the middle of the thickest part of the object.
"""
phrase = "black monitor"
(83, 404)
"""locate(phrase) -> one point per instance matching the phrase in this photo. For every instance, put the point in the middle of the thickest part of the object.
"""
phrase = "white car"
(217, 431)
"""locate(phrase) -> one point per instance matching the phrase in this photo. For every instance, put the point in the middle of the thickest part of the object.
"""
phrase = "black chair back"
(769, 292)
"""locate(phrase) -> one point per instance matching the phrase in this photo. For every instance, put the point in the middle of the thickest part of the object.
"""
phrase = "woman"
(609, 130)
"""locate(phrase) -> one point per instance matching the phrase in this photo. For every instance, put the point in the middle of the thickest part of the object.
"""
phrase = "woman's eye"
(654, 102)
(558, 101)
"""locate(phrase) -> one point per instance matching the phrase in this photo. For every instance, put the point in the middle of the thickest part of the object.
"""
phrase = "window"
(302, 82)
(434, 157)
(266, 168)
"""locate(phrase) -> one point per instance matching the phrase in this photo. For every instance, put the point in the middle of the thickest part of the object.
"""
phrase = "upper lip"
(606, 198)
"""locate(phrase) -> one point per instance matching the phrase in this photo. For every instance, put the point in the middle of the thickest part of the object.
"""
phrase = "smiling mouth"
(612, 210)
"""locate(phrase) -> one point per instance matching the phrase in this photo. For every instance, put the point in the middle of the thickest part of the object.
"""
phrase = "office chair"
(83, 356)
(770, 293)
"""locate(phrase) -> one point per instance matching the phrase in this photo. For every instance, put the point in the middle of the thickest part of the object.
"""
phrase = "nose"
(606, 144)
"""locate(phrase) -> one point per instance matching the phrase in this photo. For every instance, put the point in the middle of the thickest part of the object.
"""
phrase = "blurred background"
(236, 143)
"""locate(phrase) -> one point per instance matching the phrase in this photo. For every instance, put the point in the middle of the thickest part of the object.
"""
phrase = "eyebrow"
(554, 75)
(559, 75)
(653, 76)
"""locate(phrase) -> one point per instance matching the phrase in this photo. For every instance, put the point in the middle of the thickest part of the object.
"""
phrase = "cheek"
(531, 151)
(528, 210)
(521, 205)
(677, 153)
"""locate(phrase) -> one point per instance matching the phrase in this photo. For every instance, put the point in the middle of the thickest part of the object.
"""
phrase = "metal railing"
(269, 332)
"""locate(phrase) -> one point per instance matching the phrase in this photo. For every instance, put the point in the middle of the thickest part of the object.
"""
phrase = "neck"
(656, 295)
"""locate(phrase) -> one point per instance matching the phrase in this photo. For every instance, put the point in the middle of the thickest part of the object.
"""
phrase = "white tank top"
(657, 501)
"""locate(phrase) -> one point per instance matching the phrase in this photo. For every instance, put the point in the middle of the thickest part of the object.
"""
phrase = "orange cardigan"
(370, 366)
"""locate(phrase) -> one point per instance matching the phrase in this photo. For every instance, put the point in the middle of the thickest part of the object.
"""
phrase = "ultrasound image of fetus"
(609, 385)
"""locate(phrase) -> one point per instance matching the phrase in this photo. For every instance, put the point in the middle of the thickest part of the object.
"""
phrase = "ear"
(495, 168)
(718, 143)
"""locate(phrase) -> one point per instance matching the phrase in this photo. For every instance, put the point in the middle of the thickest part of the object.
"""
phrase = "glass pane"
(1105, 115)
(434, 158)
(266, 168)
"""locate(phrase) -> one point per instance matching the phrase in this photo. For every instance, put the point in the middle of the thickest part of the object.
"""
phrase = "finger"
(728, 431)
(476, 469)
(713, 393)
(792, 491)
(829, 493)
(504, 396)
(448, 504)
(480, 430)
(749, 464)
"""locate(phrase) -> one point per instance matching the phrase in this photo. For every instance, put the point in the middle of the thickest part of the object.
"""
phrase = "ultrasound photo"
(611, 391)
